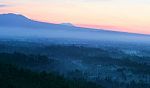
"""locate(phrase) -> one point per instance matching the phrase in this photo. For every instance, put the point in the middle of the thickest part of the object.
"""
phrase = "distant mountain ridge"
(20, 21)
(17, 20)
(67, 24)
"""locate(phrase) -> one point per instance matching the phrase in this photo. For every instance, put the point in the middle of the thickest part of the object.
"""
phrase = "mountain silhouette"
(17, 20)
(67, 24)
(16, 24)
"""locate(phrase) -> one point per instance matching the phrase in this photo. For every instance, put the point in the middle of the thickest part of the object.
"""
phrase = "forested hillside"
(14, 77)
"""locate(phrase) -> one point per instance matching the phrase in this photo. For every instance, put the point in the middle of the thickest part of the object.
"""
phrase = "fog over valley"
(36, 54)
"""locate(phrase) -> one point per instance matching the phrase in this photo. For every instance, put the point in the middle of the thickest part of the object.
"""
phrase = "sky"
(118, 15)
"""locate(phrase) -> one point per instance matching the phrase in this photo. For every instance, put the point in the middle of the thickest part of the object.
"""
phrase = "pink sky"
(117, 15)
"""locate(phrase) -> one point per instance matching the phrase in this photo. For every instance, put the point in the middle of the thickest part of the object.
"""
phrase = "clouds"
(3, 5)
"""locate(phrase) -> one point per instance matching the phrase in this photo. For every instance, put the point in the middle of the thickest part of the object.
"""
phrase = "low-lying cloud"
(3, 5)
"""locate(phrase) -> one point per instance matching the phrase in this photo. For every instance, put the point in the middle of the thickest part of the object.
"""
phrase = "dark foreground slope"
(14, 77)
(101, 68)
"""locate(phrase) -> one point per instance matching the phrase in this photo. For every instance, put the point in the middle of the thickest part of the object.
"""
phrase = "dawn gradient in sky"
(118, 15)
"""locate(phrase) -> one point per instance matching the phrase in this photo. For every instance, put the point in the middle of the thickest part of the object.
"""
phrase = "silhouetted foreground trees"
(13, 77)
(14, 72)
(23, 59)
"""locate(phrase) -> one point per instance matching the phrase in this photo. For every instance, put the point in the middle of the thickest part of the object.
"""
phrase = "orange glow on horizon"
(114, 28)
(116, 15)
